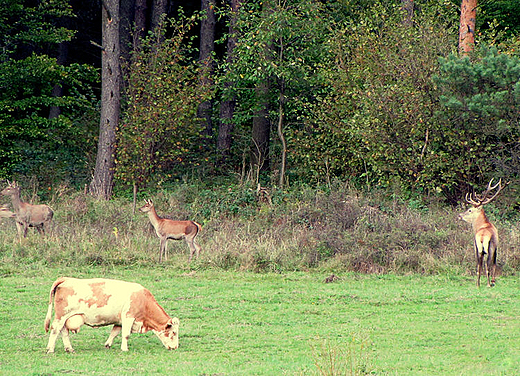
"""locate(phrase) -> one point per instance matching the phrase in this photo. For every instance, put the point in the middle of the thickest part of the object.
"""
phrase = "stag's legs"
(491, 266)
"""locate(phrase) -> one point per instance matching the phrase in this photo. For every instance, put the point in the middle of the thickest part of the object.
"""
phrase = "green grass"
(244, 323)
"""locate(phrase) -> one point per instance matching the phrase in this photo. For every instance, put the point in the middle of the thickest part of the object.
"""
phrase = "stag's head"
(11, 189)
(478, 201)
(146, 207)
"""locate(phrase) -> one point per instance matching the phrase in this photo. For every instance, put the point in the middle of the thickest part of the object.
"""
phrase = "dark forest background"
(270, 93)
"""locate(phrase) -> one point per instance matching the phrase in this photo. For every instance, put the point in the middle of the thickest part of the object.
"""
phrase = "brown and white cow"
(100, 302)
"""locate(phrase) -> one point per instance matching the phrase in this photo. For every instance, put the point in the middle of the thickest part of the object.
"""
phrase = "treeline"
(271, 92)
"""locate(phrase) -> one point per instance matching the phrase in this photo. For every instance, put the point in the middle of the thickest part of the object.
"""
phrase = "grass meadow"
(256, 302)
(244, 323)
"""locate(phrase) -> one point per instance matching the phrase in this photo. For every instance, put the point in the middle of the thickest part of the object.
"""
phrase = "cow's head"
(170, 335)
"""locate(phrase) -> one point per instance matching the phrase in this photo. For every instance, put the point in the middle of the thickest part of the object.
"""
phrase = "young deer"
(170, 229)
(27, 215)
(486, 235)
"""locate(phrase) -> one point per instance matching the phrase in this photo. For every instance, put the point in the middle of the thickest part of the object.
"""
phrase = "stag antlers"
(483, 199)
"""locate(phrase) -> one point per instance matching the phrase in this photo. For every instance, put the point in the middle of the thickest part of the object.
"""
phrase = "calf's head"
(170, 335)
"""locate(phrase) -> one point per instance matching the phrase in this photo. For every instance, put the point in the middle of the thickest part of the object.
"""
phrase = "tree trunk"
(407, 6)
(227, 107)
(261, 131)
(159, 7)
(207, 47)
(127, 14)
(102, 183)
(468, 12)
(57, 89)
(140, 22)
(282, 140)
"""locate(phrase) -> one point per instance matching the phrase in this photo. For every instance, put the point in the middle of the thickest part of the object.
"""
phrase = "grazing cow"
(100, 302)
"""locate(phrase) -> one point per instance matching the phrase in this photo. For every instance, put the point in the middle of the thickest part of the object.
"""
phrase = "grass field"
(244, 323)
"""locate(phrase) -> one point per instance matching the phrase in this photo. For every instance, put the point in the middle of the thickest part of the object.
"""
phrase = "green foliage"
(159, 133)
(31, 143)
(480, 100)
(376, 124)
(282, 43)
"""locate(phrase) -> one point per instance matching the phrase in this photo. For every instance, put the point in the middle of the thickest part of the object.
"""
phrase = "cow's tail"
(55, 285)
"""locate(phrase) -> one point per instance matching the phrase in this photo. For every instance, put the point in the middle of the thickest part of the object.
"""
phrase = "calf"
(100, 302)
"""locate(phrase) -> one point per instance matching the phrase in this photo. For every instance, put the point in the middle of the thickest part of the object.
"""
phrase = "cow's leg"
(116, 329)
(56, 329)
(66, 340)
(126, 329)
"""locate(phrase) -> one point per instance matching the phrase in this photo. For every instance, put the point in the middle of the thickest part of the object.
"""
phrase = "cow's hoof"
(69, 350)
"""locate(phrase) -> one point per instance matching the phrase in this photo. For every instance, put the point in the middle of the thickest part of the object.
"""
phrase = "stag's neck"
(481, 221)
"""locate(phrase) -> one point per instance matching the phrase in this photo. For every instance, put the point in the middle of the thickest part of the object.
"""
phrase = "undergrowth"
(330, 228)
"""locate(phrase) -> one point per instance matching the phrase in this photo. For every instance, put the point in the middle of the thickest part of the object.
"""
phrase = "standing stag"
(170, 229)
(486, 234)
(27, 215)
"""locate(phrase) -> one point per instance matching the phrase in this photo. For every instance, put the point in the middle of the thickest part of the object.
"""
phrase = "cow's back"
(100, 300)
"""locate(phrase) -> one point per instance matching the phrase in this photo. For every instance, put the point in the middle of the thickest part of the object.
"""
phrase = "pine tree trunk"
(468, 12)
(102, 183)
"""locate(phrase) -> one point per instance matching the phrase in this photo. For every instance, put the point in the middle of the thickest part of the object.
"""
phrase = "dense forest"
(116, 94)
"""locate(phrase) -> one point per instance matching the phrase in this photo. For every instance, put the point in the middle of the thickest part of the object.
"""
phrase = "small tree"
(480, 101)
(279, 49)
(159, 130)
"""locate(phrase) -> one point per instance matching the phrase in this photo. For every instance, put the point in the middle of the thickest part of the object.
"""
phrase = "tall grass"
(331, 228)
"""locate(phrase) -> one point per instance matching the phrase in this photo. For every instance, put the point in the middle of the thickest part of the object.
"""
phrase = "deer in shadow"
(27, 215)
(485, 233)
(169, 229)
